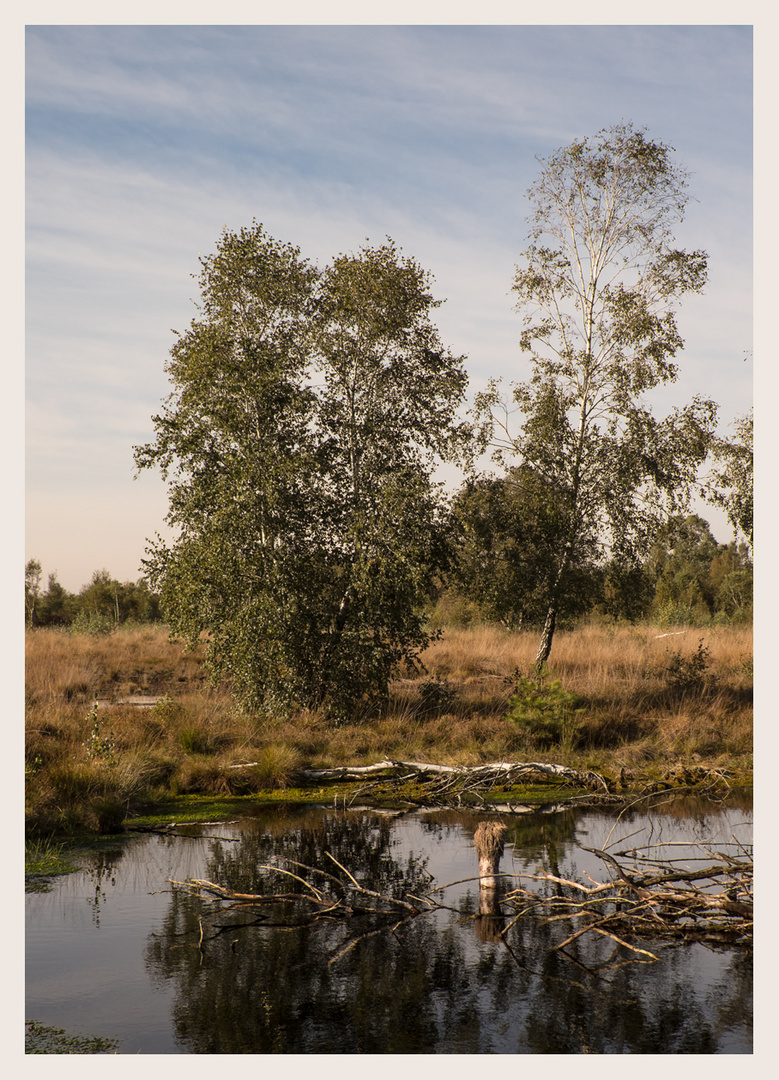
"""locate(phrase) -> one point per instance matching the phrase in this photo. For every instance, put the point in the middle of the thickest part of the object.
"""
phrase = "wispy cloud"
(144, 142)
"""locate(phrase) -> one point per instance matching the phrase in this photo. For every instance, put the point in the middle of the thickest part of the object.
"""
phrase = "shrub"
(685, 676)
(676, 614)
(99, 747)
(92, 623)
(544, 711)
(167, 711)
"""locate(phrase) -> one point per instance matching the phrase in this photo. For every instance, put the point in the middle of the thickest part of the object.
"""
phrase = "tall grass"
(645, 700)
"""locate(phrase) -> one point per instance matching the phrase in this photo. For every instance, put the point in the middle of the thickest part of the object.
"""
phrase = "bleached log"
(494, 770)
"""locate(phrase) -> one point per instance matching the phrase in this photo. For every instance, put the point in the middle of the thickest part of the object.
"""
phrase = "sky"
(144, 142)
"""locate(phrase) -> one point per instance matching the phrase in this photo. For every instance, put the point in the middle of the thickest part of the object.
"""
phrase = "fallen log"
(480, 775)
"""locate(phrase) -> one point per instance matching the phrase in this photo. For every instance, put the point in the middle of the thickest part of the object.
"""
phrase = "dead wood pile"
(648, 897)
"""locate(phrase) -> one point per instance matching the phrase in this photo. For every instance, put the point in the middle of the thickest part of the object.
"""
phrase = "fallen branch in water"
(646, 896)
(318, 901)
(664, 899)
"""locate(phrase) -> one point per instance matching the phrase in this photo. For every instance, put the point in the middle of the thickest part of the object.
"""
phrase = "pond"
(119, 952)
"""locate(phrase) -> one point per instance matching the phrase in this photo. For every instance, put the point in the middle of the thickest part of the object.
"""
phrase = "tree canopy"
(505, 533)
(308, 412)
(733, 475)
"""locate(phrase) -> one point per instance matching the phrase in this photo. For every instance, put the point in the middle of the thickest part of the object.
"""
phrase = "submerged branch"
(642, 897)
(710, 904)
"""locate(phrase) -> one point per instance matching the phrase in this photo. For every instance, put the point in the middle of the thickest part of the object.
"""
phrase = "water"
(115, 950)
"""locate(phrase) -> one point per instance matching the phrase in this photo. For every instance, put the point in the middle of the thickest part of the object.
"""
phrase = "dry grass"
(634, 715)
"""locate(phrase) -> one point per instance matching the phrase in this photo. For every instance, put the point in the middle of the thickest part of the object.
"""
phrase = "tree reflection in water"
(268, 980)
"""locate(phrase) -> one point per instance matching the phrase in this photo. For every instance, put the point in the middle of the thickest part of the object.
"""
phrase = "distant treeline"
(99, 607)
(688, 579)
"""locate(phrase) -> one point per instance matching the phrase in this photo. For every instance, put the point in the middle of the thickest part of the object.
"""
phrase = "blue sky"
(143, 142)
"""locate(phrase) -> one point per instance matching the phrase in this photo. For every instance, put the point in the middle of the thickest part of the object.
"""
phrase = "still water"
(116, 950)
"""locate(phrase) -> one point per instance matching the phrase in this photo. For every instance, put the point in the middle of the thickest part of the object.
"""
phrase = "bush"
(673, 614)
(686, 676)
(167, 711)
(92, 623)
(544, 711)
(99, 747)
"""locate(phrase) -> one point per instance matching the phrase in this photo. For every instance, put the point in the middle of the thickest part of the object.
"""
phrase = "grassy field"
(645, 701)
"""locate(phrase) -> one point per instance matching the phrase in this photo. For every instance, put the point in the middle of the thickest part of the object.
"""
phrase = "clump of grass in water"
(44, 859)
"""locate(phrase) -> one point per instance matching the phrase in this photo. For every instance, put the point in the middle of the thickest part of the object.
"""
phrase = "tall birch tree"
(598, 288)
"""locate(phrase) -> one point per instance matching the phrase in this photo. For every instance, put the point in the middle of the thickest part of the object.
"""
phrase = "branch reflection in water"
(367, 954)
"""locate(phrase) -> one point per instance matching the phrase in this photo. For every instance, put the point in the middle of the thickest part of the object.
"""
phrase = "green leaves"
(731, 484)
(543, 710)
(310, 407)
(506, 535)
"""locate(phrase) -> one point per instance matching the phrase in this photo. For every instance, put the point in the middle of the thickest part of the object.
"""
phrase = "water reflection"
(215, 978)
(442, 983)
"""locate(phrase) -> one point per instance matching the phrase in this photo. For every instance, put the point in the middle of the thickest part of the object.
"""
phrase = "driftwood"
(703, 895)
(504, 771)
(333, 899)
(462, 776)
(649, 898)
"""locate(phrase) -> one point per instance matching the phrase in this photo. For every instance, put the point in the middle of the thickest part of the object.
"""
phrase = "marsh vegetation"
(637, 704)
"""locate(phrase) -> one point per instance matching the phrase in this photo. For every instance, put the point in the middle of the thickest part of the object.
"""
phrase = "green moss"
(198, 808)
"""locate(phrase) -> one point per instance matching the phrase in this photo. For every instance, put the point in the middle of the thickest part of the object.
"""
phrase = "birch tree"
(732, 482)
(309, 408)
(598, 288)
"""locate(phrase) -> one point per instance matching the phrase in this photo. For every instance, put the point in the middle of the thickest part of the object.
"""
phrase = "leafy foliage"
(99, 608)
(732, 478)
(310, 408)
(684, 675)
(506, 531)
(43, 1039)
(696, 578)
(99, 747)
(598, 289)
(32, 589)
